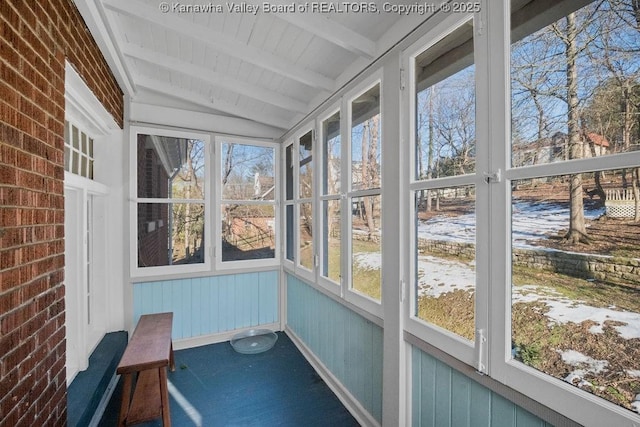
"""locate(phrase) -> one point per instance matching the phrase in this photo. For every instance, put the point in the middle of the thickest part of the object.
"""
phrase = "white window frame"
(217, 233)
(470, 352)
(357, 298)
(581, 406)
(136, 271)
(294, 142)
(493, 274)
(324, 281)
(289, 236)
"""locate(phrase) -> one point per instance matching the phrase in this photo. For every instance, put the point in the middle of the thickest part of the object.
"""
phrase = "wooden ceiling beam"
(214, 78)
(221, 42)
(222, 106)
(327, 29)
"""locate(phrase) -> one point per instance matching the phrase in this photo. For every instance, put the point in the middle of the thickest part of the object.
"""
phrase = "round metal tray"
(253, 341)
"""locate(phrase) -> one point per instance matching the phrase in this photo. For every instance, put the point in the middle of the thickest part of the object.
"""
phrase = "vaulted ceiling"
(266, 68)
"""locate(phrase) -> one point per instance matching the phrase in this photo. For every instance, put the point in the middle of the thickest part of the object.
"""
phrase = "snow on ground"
(438, 276)
(586, 365)
(443, 275)
(530, 222)
(367, 260)
(564, 310)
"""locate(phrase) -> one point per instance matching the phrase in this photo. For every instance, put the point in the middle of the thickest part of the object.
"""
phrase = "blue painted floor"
(215, 386)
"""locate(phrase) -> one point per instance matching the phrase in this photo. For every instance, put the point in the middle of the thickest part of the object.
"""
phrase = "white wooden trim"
(146, 114)
(83, 108)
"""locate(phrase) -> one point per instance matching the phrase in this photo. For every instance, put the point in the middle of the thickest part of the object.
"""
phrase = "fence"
(620, 203)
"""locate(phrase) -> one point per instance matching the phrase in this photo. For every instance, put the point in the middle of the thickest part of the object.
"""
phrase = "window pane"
(248, 232)
(83, 144)
(445, 258)
(306, 165)
(306, 236)
(247, 172)
(365, 140)
(290, 247)
(170, 167)
(332, 154)
(366, 267)
(75, 137)
(289, 171)
(84, 166)
(445, 107)
(75, 162)
(576, 283)
(575, 85)
(67, 158)
(331, 240)
(170, 233)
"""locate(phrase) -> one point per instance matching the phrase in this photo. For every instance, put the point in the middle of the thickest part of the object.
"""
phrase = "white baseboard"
(348, 400)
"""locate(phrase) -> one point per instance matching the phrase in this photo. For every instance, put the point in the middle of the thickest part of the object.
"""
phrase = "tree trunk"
(577, 228)
(430, 149)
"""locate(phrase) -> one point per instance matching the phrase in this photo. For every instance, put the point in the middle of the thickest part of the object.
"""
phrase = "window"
(305, 201)
(171, 201)
(299, 203)
(78, 151)
(573, 192)
(364, 196)
(443, 190)
(330, 199)
(552, 203)
(289, 207)
(247, 201)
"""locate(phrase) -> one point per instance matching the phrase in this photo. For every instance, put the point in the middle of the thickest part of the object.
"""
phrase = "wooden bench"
(147, 356)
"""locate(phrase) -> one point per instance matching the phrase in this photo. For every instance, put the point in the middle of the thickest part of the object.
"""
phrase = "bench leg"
(172, 362)
(126, 397)
(164, 397)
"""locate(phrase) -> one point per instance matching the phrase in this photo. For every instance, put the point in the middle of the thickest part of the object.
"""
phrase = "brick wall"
(35, 39)
(153, 243)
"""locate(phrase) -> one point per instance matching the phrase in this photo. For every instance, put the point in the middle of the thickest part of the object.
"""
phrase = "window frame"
(352, 296)
(492, 47)
(579, 405)
(298, 200)
(135, 201)
(292, 231)
(324, 281)
(218, 201)
(473, 353)
(289, 230)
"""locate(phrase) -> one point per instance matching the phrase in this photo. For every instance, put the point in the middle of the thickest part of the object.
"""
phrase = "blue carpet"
(220, 387)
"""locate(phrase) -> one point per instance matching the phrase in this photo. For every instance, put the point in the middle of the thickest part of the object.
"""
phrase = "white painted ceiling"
(270, 69)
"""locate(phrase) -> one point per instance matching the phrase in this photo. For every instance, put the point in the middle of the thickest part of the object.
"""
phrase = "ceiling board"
(265, 68)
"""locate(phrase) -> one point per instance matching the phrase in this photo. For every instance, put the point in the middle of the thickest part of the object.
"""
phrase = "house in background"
(556, 149)
(104, 101)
